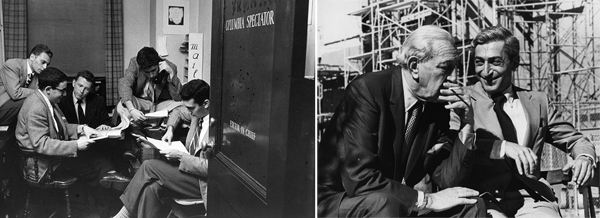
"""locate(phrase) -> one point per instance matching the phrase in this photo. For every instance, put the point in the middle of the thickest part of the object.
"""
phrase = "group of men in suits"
(481, 144)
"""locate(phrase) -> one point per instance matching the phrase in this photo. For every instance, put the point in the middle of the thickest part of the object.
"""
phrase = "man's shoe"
(114, 180)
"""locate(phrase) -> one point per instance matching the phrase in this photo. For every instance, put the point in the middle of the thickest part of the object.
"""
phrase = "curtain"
(15, 28)
(114, 49)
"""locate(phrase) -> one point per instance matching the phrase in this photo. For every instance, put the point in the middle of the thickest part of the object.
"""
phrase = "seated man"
(43, 133)
(512, 125)
(149, 84)
(83, 107)
(18, 79)
(184, 175)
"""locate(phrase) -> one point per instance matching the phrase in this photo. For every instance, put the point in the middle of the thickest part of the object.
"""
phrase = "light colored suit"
(12, 81)
(475, 169)
(37, 133)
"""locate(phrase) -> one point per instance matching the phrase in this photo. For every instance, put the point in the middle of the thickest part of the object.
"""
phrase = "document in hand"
(114, 132)
(161, 145)
(157, 114)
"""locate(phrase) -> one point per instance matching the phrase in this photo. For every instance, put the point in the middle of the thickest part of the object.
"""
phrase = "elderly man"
(502, 159)
(184, 175)
(374, 149)
(18, 79)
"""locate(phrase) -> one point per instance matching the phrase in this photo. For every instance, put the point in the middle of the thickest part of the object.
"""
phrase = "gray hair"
(424, 42)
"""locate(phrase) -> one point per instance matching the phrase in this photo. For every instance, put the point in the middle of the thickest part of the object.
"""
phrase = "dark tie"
(29, 78)
(80, 115)
(508, 129)
(409, 134)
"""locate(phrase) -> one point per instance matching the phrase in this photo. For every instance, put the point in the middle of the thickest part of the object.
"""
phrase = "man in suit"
(83, 107)
(184, 175)
(18, 80)
(149, 84)
(504, 130)
(373, 151)
(47, 140)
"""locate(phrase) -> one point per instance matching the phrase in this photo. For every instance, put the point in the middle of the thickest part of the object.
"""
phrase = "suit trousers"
(9, 111)
(154, 186)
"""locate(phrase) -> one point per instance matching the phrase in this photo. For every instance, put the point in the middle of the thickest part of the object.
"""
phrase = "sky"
(334, 23)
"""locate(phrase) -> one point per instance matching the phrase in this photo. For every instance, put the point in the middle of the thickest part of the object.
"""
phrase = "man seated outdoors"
(184, 174)
(504, 130)
(149, 84)
(82, 106)
(18, 79)
(50, 144)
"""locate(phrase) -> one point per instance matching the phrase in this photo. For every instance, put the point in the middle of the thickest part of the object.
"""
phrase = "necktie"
(29, 78)
(80, 114)
(195, 139)
(508, 129)
(61, 135)
(410, 132)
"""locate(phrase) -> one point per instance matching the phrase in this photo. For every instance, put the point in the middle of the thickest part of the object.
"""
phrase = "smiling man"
(512, 126)
(18, 79)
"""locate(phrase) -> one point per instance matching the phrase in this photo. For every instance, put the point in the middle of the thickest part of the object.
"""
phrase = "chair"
(49, 183)
(188, 208)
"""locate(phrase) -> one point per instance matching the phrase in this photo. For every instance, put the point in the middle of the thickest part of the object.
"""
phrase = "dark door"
(264, 109)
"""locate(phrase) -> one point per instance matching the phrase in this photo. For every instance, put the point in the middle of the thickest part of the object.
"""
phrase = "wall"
(143, 27)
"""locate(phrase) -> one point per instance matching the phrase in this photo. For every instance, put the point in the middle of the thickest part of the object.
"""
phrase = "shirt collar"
(409, 97)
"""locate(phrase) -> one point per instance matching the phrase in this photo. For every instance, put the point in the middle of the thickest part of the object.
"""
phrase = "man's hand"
(103, 127)
(137, 115)
(89, 132)
(168, 135)
(524, 157)
(454, 95)
(82, 143)
(583, 170)
(172, 154)
(449, 198)
(164, 66)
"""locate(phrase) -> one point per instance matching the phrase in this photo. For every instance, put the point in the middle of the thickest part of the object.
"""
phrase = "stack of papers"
(114, 132)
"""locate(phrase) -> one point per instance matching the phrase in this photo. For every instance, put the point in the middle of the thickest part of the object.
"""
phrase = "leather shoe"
(114, 180)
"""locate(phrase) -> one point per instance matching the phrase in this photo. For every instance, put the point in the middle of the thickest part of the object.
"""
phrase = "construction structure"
(558, 43)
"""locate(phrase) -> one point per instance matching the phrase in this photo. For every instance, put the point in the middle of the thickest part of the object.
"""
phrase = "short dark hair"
(147, 57)
(197, 89)
(39, 48)
(52, 77)
(500, 34)
(87, 75)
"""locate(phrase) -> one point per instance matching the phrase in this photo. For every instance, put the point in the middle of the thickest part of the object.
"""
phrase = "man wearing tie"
(504, 131)
(43, 132)
(18, 80)
(184, 175)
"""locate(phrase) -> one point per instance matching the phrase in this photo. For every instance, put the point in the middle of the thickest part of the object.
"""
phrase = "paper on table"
(157, 114)
(161, 145)
(114, 132)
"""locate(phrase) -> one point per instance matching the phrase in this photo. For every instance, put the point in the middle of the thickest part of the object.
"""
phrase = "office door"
(264, 109)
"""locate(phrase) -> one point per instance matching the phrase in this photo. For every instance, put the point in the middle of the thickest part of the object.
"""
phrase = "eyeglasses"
(61, 90)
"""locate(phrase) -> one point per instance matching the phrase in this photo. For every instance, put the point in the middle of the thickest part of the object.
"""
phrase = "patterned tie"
(195, 139)
(61, 131)
(80, 114)
(409, 134)
(29, 78)
(508, 129)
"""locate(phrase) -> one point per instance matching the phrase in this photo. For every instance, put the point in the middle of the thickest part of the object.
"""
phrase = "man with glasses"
(149, 84)
(54, 144)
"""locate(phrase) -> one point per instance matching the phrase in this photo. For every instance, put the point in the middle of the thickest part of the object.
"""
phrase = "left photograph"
(161, 108)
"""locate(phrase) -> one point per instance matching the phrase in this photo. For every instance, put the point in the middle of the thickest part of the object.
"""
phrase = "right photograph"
(465, 108)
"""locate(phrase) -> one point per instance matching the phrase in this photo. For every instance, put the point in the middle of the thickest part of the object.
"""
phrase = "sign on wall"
(195, 56)
(176, 17)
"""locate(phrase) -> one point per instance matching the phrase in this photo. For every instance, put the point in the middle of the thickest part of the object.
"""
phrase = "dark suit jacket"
(473, 167)
(360, 151)
(12, 81)
(36, 134)
(95, 110)
(133, 82)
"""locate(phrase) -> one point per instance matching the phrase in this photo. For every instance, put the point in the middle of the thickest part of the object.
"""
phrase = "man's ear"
(413, 67)
(32, 56)
(206, 103)
(47, 90)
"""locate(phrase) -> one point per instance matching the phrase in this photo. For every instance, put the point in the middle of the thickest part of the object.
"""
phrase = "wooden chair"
(49, 183)
(188, 208)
